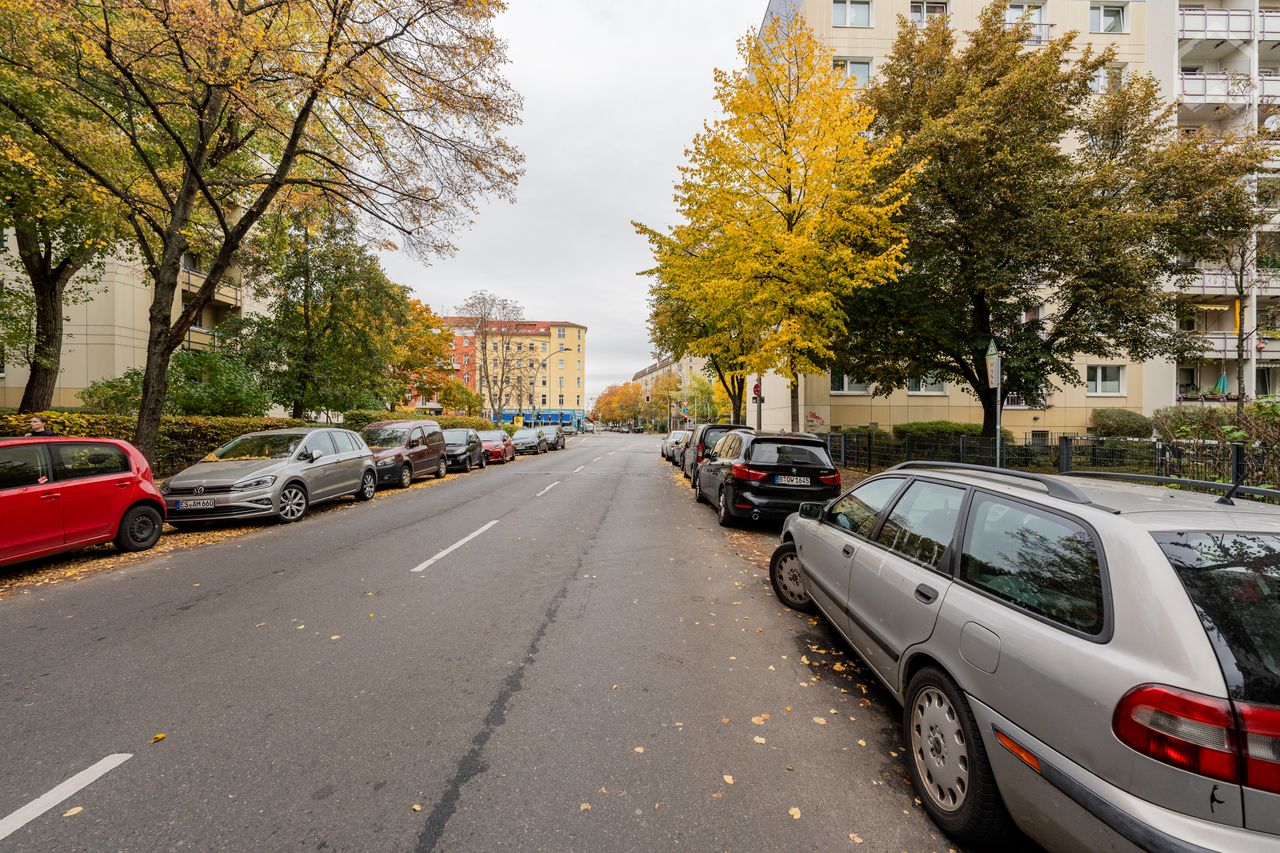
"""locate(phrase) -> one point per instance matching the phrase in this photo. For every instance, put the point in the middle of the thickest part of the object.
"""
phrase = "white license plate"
(201, 503)
(793, 481)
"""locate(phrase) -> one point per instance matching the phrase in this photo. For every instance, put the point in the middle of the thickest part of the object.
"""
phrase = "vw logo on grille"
(198, 490)
(793, 470)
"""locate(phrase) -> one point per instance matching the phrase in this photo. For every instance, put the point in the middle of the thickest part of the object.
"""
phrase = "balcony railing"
(1222, 345)
(1269, 25)
(1216, 87)
(1220, 282)
(198, 338)
(1039, 34)
(1215, 24)
(1269, 86)
(229, 292)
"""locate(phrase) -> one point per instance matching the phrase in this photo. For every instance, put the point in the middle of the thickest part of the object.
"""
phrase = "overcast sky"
(613, 93)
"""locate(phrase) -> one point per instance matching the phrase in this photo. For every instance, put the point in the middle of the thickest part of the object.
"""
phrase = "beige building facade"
(1220, 62)
(107, 334)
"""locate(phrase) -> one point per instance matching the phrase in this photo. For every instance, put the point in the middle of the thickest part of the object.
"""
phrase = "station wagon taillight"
(743, 472)
(829, 479)
(1233, 742)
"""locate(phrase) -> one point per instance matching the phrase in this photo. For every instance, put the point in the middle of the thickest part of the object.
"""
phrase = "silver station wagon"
(276, 472)
(1094, 661)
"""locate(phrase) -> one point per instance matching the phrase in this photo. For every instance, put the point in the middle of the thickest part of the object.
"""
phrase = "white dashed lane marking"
(455, 546)
(48, 800)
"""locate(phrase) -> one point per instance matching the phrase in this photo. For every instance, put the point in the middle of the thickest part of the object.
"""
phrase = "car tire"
(788, 580)
(466, 465)
(697, 491)
(723, 515)
(949, 765)
(442, 469)
(368, 486)
(293, 503)
(406, 476)
(139, 528)
(484, 461)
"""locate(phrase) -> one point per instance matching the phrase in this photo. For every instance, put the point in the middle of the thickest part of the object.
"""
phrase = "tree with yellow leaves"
(784, 211)
(196, 115)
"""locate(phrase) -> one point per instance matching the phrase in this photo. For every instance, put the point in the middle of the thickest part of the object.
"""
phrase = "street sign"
(684, 410)
(757, 398)
(518, 420)
(755, 390)
(993, 366)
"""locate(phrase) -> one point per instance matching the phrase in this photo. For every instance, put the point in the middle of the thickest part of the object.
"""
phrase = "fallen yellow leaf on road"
(861, 742)
(638, 749)
(158, 737)
(794, 812)
(728, 780)
(838, 667)
(758, 739)
(725, 720)
(584, 807)
(415, 807)
(855, 838)
(716, 795)
(74, 810)
(336, 637)
(822, 721)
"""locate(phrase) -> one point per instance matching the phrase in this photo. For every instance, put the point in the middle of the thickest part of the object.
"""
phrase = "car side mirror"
(709, 456)
(811, 510)
(314, 455)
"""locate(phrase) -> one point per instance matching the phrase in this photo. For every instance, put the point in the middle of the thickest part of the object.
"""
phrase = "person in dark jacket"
(39, 427)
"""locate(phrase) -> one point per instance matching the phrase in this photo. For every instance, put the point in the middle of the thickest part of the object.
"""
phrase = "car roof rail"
(1207, 485)
(1054, 488)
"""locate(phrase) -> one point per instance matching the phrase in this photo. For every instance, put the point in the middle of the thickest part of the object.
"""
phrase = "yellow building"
(532, 368)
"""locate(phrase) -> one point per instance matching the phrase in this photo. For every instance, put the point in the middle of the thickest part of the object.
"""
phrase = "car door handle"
(51, 497)
(847, 550)
(123, 484)
(926, 593)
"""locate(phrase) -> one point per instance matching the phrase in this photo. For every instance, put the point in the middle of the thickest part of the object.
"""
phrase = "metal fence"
(1212, 461)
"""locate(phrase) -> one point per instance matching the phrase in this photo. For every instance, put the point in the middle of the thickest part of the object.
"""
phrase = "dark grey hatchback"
(754, 475)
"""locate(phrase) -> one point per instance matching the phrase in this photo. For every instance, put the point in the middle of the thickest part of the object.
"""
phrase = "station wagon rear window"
(1233, 580)
(1038, 561)
(768, 452)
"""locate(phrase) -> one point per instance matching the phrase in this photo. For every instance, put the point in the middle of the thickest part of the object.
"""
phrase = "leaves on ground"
(822, 721)
(159, 736)
(794, 812)
(758, 739)
(638, 749)
(415, 807)
(855, 838)
(74, 810)
(584, 807)
(728, 780)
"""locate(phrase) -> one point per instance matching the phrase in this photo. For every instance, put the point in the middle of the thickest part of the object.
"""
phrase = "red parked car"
(498, 446)
(60, 494)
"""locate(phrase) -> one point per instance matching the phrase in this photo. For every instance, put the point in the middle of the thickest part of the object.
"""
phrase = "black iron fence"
(1212, 461)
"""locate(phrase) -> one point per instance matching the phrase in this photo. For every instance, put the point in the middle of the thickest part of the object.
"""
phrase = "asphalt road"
(582, 675)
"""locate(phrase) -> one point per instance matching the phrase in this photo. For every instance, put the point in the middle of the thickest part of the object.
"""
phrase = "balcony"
(198, 339)
(1215, 24)
(228, 292)
(1216, 281)
(1215, 87)
(1039, 33)
(1269, 25)
(1222, 345)
(1269, 86)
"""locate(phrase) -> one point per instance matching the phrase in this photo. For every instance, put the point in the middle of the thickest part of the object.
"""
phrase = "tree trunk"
(37, 396)
(160, 347)
(795, 404)
(987, 396)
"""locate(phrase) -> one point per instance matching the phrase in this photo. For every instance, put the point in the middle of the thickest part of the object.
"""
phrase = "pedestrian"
(39, 427)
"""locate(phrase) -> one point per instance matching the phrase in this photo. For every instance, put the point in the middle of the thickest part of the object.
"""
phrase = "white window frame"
(924, 15)
(1092, 386)
(846, 381)
(848, 7)
(1101, 8)
(843, 63)
(927, 388)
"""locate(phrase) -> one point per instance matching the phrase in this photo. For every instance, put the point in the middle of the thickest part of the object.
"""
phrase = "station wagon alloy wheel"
(940, 749)
(788, 583)
(368, 485)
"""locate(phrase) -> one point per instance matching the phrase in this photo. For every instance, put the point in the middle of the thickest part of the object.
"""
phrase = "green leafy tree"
(457, 397)
(208, 382)
(1043, 217)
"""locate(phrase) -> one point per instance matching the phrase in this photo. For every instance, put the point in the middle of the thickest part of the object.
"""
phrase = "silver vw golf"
(277, 472)
(1093, 661)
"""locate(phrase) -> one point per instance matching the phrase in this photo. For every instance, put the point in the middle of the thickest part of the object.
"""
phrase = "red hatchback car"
(498, 446)
(60, 494)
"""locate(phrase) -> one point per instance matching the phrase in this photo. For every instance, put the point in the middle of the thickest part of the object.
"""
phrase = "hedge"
(358, 419)
(1120, 423)
(942, 429)
(181, 438)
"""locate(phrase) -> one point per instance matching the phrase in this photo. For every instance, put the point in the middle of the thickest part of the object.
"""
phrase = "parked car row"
(61, 494)
(1094, 662)
(746, 474)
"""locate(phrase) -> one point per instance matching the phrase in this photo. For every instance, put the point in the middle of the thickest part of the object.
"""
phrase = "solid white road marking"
(611, 452)
(43, 803)
(455, 546)
(547, 489)
(579, 468)
(597, 459)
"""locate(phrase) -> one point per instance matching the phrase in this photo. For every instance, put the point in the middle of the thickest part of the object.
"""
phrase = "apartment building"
(107, 335)
(544, 362)
(1219, 60)
(684, 370)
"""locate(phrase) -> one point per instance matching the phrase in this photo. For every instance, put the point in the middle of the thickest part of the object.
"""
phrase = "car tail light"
(829, 479)
(742, 472)
(1187, 730)
(1260, 735)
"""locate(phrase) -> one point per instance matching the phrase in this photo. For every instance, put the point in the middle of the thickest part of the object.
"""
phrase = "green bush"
(181, 438)
(1200, 422)
(200, 383)
(358, 419)
(942, 429)
(1120, 423)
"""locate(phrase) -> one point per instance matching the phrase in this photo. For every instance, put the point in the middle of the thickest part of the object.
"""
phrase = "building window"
(560, 332)
(530, 381)
(495, 346)
(579, 334)
(466, 358)
(579, 399)
(579, 364)
(466, 379)
(926, 386)
(858, 69)
(1187, 380)
(579, 347)
(920, 11)
(842, 384)
(544, 346)
(579, 381)
(1014, 12)
(560, 364)
(1107, 79)
(562, 348)
(1104, 379)
(561, 381)
(561, 400)
(544, 399)
(544, 382)
(851, 13)
(1106, 19)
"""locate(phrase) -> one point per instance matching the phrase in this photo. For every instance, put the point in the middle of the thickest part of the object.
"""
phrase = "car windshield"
(492, 435)
(385, 436)
(1234, 581)
(525, 433)
(269, 446)
(776, 452)
(455, 436)
(711, 435)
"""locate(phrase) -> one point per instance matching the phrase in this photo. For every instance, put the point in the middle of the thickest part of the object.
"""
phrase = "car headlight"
(388, 462)
(256, 483)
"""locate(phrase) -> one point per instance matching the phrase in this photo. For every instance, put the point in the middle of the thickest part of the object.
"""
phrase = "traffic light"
(646, 398)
